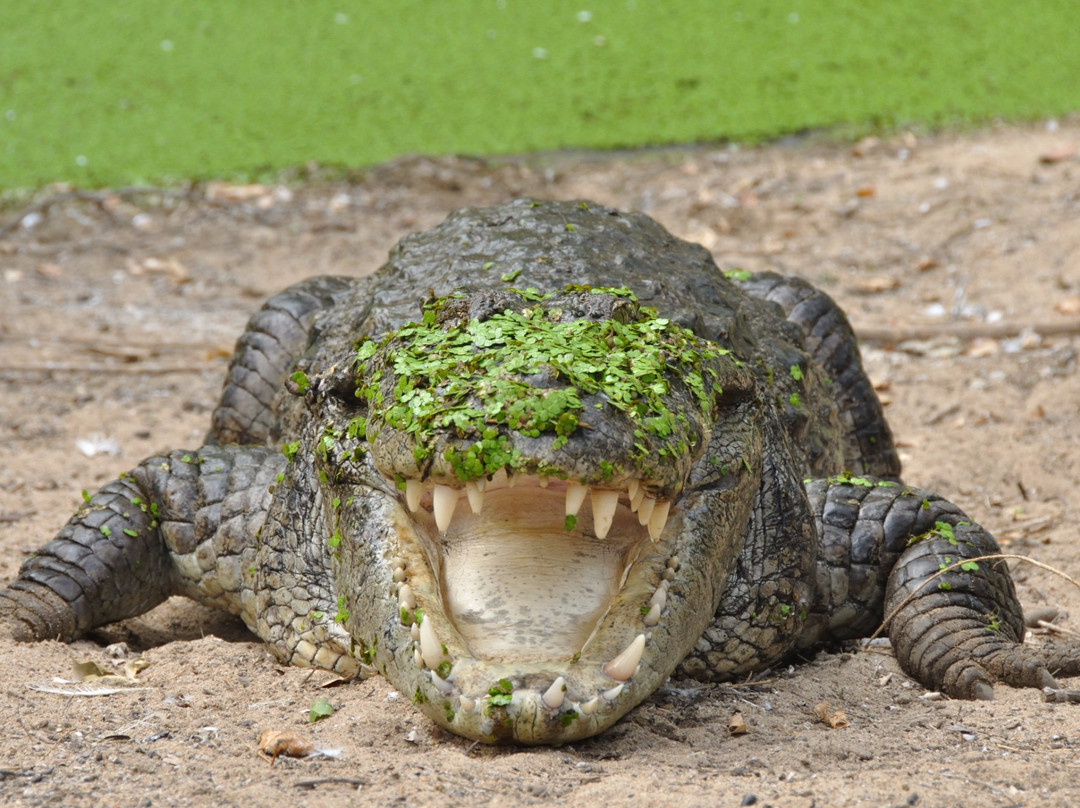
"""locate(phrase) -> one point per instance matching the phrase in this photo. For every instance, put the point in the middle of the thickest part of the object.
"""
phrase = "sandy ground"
(958, 259)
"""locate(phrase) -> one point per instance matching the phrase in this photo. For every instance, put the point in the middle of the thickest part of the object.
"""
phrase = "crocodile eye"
(338, 383)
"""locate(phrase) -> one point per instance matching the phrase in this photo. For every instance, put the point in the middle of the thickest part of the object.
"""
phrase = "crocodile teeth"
(656, 605)
(414, 492)
(659, 597)
(445, 502)
(623, 666)
(406, 598)
(603, 510)
(632, 487)
(467, 704)
(589, 707)
(441, 684)
(475, 491)
(575, 495)
(637, 497)
(554, 695)
(430, 647)
(613, 693)
(658, 519)
(645, 509)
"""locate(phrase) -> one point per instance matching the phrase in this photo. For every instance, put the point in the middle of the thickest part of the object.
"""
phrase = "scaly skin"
(742, 501)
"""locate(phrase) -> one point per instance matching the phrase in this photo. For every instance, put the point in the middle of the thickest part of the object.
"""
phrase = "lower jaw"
(546, 672)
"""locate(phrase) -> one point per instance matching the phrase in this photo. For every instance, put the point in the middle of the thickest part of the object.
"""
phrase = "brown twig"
(1045, 624)
(345, 781)
(961, 331)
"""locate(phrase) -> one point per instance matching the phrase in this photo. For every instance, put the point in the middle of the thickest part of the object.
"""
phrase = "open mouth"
(543, 589)
(527, 569)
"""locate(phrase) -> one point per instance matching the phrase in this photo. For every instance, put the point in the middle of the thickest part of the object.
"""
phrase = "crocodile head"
(535, 501)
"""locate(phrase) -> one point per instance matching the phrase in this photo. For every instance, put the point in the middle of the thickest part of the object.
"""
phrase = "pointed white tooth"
(397, 561)
(659, 597)
(414, 631)
(441, 684)
(430, 647)
(603, 511)
(575, 495)
(673, 563)
(554, 695)
(475, 491)
(414, 492)
(656, 605)
(632, 487)
(399, 574)
(637, 497)
(417, 658)
(589, 707)
(406, 598)
(645, 510)
(658, 520)
(623, 666)
(498, 480)
(445, 502)
(613, 693)
(544, 481)
(466, 704)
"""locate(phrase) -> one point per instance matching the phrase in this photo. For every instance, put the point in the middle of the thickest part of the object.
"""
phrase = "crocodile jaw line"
(510, 595)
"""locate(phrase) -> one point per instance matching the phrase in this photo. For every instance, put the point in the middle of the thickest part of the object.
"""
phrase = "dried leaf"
(836, 719)
(866, 191)
(172, 267)
(89, 671)
(865, 146)
(274, 742)
(1068, 305)
(335, 681)
(926, 263)
(1059, 155)
(737, 725)
(133, 667)
(227, 192)
(982, 346)
(876, 283)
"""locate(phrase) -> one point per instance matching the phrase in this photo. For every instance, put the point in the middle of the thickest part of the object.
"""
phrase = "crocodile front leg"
(183, 523)
(957, 633)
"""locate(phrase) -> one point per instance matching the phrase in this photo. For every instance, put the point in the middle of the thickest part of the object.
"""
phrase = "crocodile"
(544, 458)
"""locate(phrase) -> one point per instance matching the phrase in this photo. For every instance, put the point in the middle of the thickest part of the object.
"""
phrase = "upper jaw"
(568, 622)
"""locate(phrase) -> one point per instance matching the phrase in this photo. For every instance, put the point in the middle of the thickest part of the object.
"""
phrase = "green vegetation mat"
(108, 92)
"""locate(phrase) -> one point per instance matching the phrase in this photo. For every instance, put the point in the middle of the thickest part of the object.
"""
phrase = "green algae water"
(114, 93)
